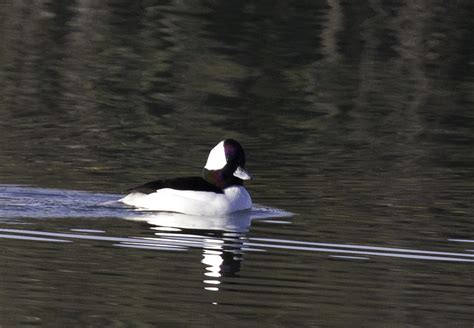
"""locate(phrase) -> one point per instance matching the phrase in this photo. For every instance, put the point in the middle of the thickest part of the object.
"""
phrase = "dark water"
(356, 116)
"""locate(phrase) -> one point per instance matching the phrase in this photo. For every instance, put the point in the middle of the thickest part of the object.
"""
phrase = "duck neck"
(221, 178)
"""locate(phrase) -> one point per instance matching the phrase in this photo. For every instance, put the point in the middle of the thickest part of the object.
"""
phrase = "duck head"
(225, 165)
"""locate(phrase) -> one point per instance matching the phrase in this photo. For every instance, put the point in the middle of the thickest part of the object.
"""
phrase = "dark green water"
(355, 116)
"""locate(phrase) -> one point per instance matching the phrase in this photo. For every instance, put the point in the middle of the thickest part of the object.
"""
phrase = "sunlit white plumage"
(234, 198)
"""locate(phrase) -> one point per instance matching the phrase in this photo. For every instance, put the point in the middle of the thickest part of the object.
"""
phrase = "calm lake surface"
(357, 121)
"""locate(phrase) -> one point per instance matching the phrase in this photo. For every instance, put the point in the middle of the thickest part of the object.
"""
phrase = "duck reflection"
(222, 257)
(221, 239)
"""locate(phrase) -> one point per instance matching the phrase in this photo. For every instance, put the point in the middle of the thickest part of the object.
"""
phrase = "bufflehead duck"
(219, 191)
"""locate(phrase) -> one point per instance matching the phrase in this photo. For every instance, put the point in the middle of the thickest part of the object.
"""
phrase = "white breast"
(234, 198)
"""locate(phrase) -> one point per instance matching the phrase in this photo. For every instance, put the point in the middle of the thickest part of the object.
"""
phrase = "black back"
(188, 183)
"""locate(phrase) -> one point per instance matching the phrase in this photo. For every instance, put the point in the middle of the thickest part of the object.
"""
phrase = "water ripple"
(181, 242)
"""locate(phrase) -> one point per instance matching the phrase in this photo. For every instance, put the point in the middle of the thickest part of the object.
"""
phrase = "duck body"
(219, 191)
(195, 202)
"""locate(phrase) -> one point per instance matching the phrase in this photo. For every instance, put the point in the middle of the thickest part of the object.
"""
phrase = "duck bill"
(242, 174)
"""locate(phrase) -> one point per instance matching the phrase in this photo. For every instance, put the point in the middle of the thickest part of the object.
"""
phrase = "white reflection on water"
(20, 237)
(237, 222)
(334, 247)
(221, 239)
(462, 240)
(237, 244)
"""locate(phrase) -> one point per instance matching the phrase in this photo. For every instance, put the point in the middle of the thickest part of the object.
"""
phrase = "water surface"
(356, 119)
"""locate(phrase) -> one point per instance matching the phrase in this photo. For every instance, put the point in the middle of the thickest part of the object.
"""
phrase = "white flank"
(234, 198)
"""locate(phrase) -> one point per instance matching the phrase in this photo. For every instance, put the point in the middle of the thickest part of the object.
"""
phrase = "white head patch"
(216, 159)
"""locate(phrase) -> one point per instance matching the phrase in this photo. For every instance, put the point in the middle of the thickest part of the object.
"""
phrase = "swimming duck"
(218, 191)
